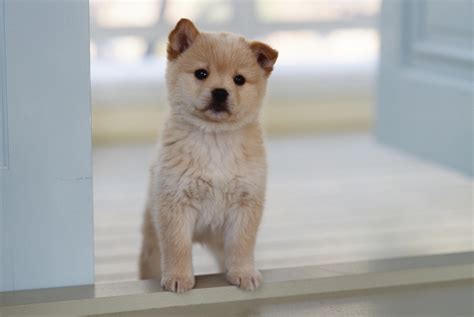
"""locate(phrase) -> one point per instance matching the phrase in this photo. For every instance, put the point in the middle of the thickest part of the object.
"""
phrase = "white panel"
(448, 22)
(425, 95)
(438, 37)
(47, 221)
(3, 103)
(3, 144)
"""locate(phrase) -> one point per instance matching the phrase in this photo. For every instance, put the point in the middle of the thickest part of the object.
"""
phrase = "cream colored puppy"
(208, 182)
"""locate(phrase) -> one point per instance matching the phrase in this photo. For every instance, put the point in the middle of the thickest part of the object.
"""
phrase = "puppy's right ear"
(266, 56)
(181, 38)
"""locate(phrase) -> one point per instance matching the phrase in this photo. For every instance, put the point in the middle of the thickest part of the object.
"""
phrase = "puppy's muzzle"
(219, 100)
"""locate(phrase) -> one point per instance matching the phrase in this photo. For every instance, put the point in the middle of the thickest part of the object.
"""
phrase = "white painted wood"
(3, 135)
(46, 211)
(280, 284)
(3, 96)
(431, 300)
(425, 96)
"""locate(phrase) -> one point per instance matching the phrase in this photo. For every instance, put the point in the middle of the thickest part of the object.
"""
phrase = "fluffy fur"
(207, 183)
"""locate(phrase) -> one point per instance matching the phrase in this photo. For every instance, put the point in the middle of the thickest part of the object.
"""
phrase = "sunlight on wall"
(346, 45)
(123, 13)
(341, 46)
(125, 49)
(304, 10)
(214, 10)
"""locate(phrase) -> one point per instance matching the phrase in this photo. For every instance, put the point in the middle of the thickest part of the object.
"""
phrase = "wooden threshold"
(211, 289)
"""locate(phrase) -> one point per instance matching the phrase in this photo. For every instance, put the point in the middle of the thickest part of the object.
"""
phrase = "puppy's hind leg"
(150, 263)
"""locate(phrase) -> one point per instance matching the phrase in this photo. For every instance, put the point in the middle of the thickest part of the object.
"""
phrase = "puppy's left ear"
(181, 38)
(266, 56)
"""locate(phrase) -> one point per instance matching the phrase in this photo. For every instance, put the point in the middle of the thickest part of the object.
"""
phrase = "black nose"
(219, 95)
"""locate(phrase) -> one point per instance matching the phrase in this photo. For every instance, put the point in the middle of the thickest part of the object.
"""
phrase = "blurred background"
(334, 194)
(325, 71)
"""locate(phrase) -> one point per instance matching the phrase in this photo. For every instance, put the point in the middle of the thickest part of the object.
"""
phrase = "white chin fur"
(217, 126)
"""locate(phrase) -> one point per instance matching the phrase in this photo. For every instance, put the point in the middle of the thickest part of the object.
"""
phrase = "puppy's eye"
(239, 80)
(201, 74)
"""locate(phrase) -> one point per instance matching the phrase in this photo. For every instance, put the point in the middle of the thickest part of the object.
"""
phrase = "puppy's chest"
(211, 171)
(215, 174)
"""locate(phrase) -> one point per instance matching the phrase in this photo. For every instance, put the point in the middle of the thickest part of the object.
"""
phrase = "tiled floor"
(330, 199)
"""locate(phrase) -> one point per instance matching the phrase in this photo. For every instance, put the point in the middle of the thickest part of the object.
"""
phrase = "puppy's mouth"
(217, 108)
(215, 112)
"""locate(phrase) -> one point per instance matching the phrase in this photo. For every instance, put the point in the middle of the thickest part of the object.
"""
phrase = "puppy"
(207, 183)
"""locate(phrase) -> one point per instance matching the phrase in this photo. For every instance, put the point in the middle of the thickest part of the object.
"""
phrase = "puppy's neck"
(245, 143)
(193, 124)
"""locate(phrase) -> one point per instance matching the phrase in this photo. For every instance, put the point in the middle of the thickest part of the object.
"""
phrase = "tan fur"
(207, 183)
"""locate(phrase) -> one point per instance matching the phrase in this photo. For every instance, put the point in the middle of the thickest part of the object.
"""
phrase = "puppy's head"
(216, 80)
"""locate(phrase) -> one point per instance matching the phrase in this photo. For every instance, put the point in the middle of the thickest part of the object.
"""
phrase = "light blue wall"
(46, 211)
(425, 96)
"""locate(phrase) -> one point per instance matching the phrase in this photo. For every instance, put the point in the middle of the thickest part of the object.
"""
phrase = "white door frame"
(46, 217)
(425, 95)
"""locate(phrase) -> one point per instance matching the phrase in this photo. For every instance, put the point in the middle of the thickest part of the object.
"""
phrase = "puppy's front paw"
(177, 283)
(246, 280)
